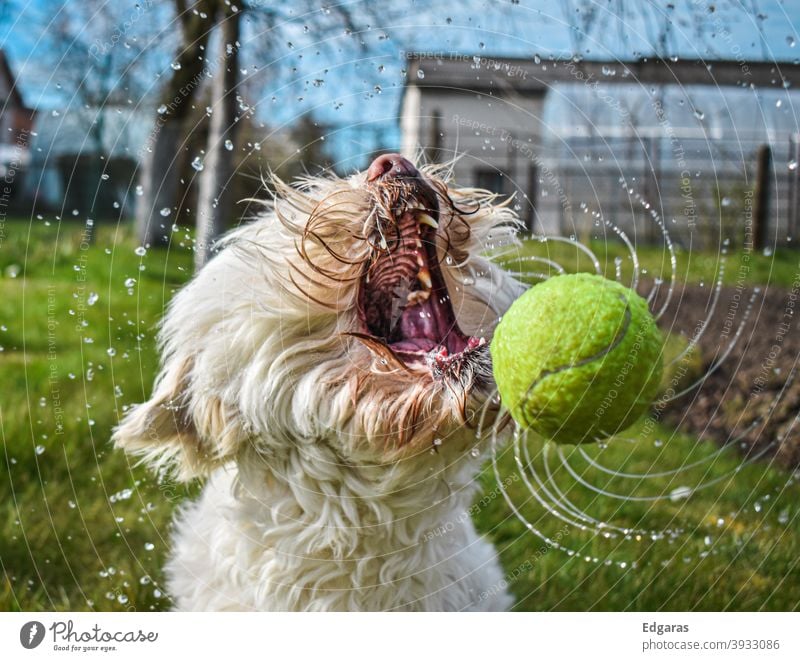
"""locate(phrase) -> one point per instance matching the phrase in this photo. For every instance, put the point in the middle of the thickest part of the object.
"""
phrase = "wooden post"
(761, 197)
(435, 140)
(794, 190)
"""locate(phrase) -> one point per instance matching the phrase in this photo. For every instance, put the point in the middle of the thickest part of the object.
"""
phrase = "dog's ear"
(182, 428)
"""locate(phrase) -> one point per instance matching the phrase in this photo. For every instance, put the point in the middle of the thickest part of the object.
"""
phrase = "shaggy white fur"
(331, 461)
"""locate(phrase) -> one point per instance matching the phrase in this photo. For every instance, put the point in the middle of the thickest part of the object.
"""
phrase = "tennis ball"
(577, 358)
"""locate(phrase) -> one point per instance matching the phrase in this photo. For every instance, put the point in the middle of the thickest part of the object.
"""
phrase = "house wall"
(495, 139)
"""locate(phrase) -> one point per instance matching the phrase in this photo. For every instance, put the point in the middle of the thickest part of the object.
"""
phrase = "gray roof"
(528, 76)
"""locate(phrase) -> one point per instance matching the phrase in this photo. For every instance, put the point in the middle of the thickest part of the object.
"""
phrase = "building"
(578, 141)
(16, 123)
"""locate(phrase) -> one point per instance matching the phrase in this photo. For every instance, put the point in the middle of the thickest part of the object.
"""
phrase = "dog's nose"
(390, 166)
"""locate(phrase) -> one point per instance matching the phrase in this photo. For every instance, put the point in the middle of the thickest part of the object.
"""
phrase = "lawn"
(82, 529)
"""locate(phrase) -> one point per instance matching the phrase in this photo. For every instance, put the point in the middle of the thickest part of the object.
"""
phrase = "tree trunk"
(762, 197)
(159, 178)
(215, 203)
(161, 163)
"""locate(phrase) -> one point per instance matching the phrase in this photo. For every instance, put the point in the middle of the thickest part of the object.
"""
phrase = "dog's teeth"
(417, 297)
(424, 276)
(420, 261)
(425, 219)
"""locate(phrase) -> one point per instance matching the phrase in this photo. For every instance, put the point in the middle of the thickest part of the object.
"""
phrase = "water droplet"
(125, 494)
(130, 282)
(792, 165)
(111, 351)
(40, 449)
(680, 493)
(420, 74)
(166, 211)
(197, 164)
(92, 298)
(161, 109)
(149, 546)
(229, 145)
(790, 41)
(176, 66)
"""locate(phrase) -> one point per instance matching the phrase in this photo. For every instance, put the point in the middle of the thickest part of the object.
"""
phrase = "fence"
(702, 190)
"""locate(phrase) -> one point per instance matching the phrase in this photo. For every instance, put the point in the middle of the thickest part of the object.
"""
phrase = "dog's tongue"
(429, 324)
(414, 344)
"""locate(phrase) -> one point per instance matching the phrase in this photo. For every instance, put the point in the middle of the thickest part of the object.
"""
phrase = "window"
(491, 179)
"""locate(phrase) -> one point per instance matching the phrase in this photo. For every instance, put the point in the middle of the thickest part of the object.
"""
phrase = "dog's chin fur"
(339, 476)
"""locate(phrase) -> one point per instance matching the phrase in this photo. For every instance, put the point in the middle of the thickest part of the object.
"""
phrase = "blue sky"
(350, 87)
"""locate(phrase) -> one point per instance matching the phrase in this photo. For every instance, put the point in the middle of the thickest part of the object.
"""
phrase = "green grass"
(81, 528)
(71, 536)
(778, 268)
(731, 545)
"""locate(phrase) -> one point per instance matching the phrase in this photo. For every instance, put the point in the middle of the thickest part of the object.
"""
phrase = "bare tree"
(214, 204)
(593, 20)
(270, 22)
(162, 162)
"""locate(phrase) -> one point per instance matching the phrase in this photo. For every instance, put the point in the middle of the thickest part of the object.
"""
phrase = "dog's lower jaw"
(309, 534)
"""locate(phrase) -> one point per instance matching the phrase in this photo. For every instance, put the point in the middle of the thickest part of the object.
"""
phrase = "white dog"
(326, 371)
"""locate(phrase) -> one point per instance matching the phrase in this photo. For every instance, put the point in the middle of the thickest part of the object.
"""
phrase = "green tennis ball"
(577, 358)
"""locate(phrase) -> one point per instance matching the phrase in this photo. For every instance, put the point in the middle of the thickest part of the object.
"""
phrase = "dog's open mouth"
(404, 303)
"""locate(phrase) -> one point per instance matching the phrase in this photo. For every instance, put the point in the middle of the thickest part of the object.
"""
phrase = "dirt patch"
(747, 391)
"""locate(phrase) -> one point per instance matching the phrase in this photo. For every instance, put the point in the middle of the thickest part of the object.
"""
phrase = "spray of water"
(610, 501)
